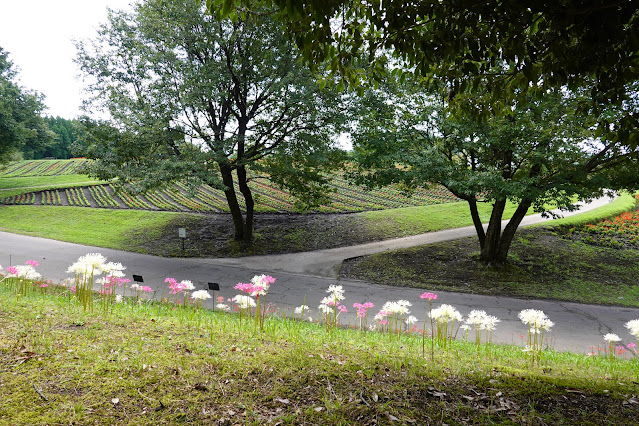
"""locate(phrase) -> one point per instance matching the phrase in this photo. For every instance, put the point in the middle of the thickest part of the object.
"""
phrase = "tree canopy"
(205, 101)
(22, 128)
(543, 152)
(503, 46)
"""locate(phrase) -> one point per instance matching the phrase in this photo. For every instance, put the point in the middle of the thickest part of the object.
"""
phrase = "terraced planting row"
(345, 198)
(43, 168)
(207, 199)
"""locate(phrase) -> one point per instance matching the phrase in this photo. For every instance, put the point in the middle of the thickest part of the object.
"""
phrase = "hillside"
(345, 198)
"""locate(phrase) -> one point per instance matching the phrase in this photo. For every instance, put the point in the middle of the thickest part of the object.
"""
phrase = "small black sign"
(138, 278)
(214, 286)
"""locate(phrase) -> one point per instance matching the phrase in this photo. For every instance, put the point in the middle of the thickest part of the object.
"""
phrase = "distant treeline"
(61, 143)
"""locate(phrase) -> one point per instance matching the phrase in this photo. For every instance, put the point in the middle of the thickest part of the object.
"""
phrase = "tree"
(64, 140)
(542, 152)
(21, 125)
(206, 101)
(513, 45)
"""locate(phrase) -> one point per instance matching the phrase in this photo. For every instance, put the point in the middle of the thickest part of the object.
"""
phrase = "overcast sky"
(39, 34)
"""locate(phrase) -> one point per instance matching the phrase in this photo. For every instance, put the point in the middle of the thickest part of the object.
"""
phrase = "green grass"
(22, 185)
(623, 203)
(151, 364)
(118, 229)
(417, 220)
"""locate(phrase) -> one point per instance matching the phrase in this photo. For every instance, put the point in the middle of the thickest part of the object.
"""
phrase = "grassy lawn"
(157, 364)
(119, 229)
(543, 264)
(418, 220)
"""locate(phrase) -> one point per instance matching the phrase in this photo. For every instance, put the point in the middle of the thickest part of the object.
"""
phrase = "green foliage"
(204, 101)
(64, 142)
(543, 151)
(22, 129)
(502, 45)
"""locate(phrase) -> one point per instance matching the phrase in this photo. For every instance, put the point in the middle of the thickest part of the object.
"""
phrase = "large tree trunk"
(497, 243)
(250, 203)
(231, 199)
(510, 229)
(493, 233)
(479, 227)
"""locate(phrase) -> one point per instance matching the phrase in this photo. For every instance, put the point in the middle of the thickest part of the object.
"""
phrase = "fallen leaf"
(318, 409)
(283, 401)
(115, 401)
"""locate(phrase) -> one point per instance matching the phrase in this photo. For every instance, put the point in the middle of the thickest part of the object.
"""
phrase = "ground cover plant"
(166, 360)
(593, 262)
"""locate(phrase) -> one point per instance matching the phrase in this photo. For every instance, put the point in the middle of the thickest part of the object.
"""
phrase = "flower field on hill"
(345, 198)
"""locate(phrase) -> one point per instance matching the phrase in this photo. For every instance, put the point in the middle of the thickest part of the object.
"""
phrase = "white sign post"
(182, 235)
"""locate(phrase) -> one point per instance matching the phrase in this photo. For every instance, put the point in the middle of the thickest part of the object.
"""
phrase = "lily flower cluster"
(259, 285)
(178, 287)
(445, 313)
(331, 301)
(141, 288)
(633, 328)
(480, 320)
(362, 309)
(90, 264)
(536, 320)
(26, 272)
(391, 316)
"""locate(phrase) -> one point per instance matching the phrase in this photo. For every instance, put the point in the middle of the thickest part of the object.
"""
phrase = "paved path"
(577, 326)
(325, 263)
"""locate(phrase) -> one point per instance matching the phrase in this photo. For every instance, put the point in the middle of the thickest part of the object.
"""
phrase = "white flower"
(337, 292)
(26, 272)
(464, 327)
(476, 318)
(200, 295)
(301, 309)
(536, 320)
(244, 301)
(89, 264)
(187, 285)
(396, 308)
(262, 284)
(118, 298)
(633, 327)
(223, 307)
(610, 337)
(113, 269)
(325, 309)
(135, 287)
(445, 313)
(410, 320)
(490, 323)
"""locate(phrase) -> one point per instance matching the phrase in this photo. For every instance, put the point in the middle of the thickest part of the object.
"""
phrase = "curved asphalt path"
(306, 276)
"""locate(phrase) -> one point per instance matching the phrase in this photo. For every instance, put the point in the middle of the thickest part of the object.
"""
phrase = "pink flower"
(12, 270)
(342, 308)
(220, 299)
(429, 296)
(631, 345)
(32, 263)
(245, 287)
(44, 285)
(146, 288)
